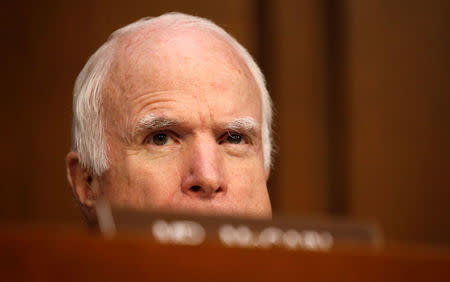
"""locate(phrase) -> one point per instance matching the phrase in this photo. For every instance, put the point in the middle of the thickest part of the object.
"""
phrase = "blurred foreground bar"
(281, 232)
(64, 253)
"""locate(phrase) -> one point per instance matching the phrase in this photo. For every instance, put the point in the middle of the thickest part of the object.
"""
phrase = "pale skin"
(183, 127)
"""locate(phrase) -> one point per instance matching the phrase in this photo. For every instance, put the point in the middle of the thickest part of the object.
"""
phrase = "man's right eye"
(159, 139)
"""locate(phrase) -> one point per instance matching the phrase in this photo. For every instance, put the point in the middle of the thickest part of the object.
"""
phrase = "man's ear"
(85, 185)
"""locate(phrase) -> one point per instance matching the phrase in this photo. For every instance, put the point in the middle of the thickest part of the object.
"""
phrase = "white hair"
(88, 138)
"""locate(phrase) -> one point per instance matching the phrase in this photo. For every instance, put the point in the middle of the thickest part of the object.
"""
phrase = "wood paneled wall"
(297, 79)
(399, 100)
(361, 90)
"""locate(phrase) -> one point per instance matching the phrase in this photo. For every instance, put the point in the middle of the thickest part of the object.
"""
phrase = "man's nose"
(205, 175)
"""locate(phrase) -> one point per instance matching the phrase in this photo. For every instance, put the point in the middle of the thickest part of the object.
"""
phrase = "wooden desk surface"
(43, 253)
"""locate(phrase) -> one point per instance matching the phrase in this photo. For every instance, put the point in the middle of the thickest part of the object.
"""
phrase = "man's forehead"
(160, 34)
(156, 60)
(154, 48)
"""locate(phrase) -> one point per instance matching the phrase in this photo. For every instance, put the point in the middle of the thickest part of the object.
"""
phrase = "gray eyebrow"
(245, 124)
(151, 122)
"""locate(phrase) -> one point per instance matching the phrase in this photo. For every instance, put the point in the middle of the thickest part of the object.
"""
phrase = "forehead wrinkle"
(131, 106)
(147, 99)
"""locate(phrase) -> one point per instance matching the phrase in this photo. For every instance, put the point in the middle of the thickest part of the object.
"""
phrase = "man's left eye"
(234, 138)
(160, 139)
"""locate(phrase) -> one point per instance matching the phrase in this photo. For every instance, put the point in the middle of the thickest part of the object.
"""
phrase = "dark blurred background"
(361, 91)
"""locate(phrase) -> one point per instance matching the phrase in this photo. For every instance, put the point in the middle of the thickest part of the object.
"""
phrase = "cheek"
(159, 178)
(246, 180)
(253, 191)
(145, 183)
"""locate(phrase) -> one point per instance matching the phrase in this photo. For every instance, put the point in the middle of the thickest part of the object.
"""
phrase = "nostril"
(218, 190)
(195, 188)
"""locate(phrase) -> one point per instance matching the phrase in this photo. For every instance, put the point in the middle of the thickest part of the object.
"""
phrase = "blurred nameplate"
(280, 232)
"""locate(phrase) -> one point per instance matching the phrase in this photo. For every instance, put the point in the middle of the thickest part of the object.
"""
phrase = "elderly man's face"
(183, 127)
